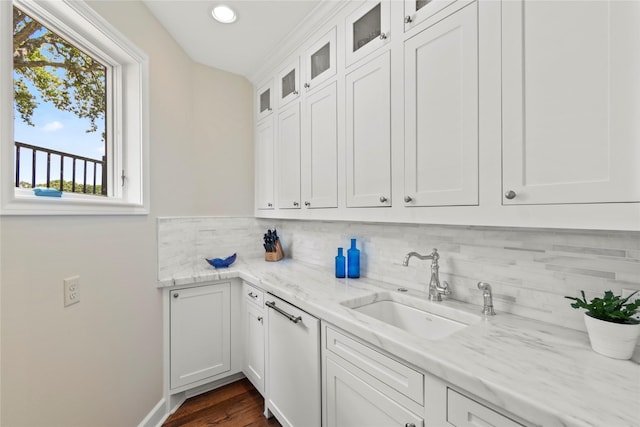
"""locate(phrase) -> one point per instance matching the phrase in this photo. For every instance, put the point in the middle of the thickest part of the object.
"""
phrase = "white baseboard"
(156, 417)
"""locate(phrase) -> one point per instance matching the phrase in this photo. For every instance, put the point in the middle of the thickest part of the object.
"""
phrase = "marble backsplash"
(530, 270)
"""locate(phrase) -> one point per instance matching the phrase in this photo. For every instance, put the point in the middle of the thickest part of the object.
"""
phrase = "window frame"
(126, 116)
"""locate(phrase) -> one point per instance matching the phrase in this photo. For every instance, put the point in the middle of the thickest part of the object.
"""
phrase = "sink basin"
(426, 319)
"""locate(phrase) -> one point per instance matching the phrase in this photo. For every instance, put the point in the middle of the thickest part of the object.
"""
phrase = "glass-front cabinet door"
(264, 101)
(367, 29)
(320, 60)
(289, 83)
(417, 11)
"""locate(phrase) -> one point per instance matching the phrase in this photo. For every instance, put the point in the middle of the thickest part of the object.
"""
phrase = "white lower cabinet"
(364, 387)
(253, 318)
(352, 402)
(465, 412)
(200, 333)
(293, 364)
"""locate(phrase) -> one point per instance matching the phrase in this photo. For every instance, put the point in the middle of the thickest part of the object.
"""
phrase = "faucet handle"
(445, 286)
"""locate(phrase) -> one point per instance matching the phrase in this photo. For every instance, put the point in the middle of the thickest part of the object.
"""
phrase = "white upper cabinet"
(289, 83)
(264, 100)
(264, 152)
(441, 113)
(320, 60)
(367, 29)
(289, 157)
(320, 149)
(368, 123)
(571, 101)
(417, 11)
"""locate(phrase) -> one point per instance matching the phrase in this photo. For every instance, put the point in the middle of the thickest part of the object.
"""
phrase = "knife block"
(275, 256)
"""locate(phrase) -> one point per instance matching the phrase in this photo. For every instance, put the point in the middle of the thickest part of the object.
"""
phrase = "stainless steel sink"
(426, 319)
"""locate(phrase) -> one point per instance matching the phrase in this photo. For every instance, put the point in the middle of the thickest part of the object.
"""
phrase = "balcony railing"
(87, 163)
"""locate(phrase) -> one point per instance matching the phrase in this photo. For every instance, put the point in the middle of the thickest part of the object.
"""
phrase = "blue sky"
(58, 130)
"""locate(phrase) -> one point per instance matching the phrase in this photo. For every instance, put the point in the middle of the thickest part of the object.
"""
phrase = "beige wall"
(99, 362)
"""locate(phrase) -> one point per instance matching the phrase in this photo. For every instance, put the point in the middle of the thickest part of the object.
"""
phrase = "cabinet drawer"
(391, 372)
(465, 412)
(253, 294)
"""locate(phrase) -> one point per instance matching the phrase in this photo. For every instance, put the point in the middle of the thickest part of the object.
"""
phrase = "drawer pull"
(294, 319)
(252, 295)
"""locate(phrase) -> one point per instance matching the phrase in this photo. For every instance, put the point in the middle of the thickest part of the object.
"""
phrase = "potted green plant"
(611, 323)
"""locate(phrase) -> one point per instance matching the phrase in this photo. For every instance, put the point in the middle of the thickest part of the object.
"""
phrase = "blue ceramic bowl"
(222, 263)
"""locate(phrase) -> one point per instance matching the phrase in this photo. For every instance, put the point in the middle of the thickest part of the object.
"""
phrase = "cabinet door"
(293, 354)
(289, 83)
(320, 149)
(417, 11)
(264, 164)
(441, 113)
(200, 333)
(464, 412)
(351, 402)
(320, 60)
(264, 100)
(289, 158)
(254, 334)
(571, 103)
(367, 29)
(368, 118)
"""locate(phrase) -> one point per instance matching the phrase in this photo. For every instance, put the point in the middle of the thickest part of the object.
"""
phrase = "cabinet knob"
(407, 199)
(307, 203)
(260, 319)
(510, 194)
(296, 204)
(295, 92)
(407, 19)
(270, 204)
(176, 295)
(383, 199)
(307, 85)
(383, 36)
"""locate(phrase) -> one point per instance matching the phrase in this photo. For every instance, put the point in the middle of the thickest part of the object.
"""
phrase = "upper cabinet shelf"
(264, 100)
(289, 82)
(367, 29)
(320, 60)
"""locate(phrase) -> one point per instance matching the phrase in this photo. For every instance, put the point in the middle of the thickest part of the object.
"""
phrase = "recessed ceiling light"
(223, 14)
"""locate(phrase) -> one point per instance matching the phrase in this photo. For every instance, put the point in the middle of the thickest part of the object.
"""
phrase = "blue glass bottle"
(340, 263)
(353, 260)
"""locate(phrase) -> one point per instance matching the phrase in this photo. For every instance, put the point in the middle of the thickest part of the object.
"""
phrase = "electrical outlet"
(71, 290)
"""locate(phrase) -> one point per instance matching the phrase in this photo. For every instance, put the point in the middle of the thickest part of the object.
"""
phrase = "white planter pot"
(616, 340)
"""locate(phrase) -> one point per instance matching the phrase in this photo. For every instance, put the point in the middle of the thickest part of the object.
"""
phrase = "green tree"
(61, 73)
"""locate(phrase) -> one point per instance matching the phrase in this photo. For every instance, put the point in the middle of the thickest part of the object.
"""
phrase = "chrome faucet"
(487, 310)
(435, 289)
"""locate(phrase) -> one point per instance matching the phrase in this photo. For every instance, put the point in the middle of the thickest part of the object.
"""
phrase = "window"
(100, 73)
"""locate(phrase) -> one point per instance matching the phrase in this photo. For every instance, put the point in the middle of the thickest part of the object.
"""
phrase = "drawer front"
(391, 372)
(465, 412)
(253, 294)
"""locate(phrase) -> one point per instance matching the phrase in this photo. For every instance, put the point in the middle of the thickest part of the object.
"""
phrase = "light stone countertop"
(543, 373)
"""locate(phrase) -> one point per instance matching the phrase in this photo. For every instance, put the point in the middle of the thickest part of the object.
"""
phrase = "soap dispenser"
(353, 260)
(340, 264)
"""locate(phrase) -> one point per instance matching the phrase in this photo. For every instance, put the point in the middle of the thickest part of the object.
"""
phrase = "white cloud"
(52, 126)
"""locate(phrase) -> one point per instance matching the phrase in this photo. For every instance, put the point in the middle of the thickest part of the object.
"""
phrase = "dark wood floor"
(235, 405)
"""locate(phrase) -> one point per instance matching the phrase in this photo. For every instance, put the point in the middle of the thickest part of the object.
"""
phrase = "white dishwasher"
(293, 360)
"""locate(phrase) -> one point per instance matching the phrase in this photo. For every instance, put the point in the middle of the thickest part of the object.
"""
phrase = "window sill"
(24, 202)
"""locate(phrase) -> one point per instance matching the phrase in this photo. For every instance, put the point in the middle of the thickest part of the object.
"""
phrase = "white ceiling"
(241, 47)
